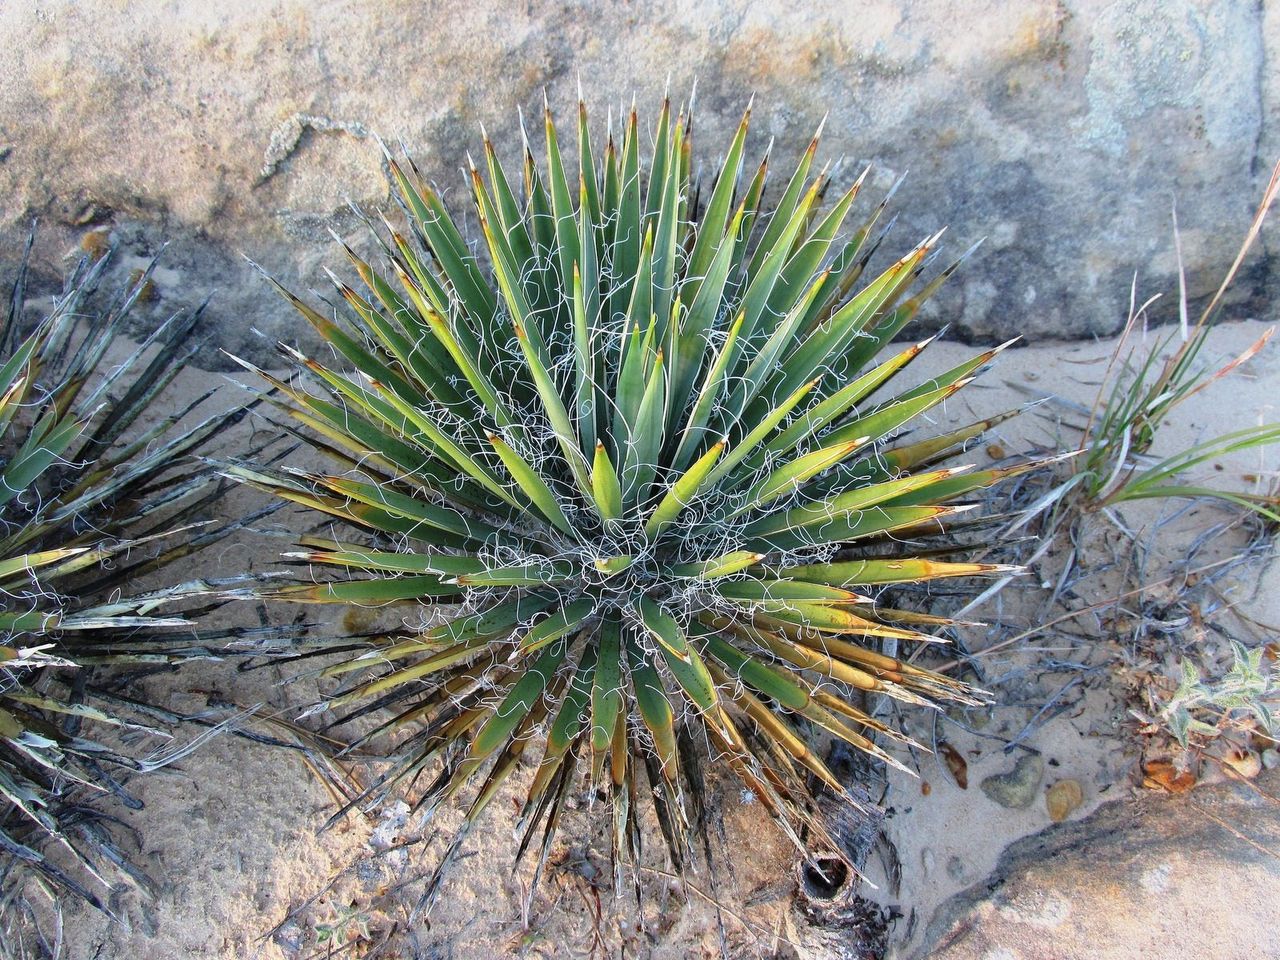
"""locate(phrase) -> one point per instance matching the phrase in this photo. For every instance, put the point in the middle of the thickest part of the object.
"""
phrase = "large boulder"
(1196, 875)
(1061, 130)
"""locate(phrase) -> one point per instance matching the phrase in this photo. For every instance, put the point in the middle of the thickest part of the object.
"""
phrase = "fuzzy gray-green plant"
(1246, 689)
(644, 444)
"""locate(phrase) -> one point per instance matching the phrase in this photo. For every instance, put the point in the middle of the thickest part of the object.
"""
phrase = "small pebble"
(369, 873)
(148, 292)
(96, 243)
(357, 619)
(1063, 798)
(928, 860)
(1271, 759)
(289, 936)
(1244, 762)
(1016, 789)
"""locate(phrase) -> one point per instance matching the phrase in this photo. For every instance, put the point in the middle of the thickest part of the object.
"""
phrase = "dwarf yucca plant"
(90, 497)
(631, 441)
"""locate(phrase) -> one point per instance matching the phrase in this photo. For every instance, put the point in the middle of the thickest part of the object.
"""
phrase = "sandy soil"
(1079, 673)
(229, 834)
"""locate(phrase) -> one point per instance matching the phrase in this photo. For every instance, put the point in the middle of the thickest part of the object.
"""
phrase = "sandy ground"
(1078, 674)
(229, 834)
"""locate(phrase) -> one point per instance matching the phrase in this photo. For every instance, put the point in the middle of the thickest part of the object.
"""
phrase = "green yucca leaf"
(443, 564)
(793, 475)
(709, 393)
(27, 563)
(663, 627)
(759, 431)
(715, 227)
(785, 591)
(862, 526)
(366, 592)
(586, 367)
(692, 676)
(840, 402)
(419, 512)
(522, 575)
(532, 484)
(522, 697)
(563, 621)
(606, 691)
(682, 491)
(850, 502)
(606, 492)
(611, 565)
(654, 707)
(557, 415)
(665, 493)
(720, 566)
(907, 570)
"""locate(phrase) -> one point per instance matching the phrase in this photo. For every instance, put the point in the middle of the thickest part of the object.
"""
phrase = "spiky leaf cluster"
(633, 436)
(90, 499)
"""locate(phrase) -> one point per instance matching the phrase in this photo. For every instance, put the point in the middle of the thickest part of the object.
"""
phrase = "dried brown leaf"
(957, 764)
(1162, 775)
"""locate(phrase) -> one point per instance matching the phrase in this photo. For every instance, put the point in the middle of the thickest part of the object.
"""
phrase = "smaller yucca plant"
(645, 449)
(90, 497)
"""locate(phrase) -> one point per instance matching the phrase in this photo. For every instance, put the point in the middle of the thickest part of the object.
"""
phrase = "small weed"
(1209, 708)
(350, 925)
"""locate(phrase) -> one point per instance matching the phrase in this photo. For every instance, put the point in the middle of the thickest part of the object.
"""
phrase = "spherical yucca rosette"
(642, 441)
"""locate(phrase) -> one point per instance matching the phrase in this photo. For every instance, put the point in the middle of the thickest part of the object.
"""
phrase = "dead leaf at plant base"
(1162, 775)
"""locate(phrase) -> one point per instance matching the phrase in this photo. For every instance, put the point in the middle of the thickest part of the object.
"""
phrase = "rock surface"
(1060, 130)
(1189, 876)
